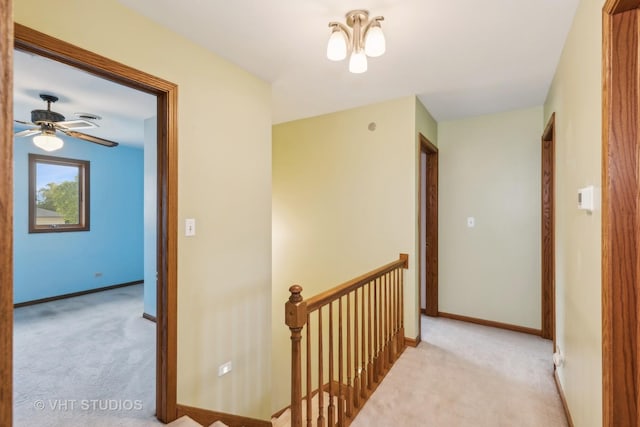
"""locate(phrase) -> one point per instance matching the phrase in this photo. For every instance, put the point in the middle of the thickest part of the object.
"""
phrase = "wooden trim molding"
(412, 342)
(207, 417)
(563, 398)
(6, 212)
(76, 294)
(620, 213)
(491, 323)
(431, 249)
(166, 92)
(547, 226)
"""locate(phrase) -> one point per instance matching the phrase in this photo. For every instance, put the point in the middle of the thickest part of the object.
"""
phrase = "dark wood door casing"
(6, 212)
(620, 213)
(548, 231)
(431, 206)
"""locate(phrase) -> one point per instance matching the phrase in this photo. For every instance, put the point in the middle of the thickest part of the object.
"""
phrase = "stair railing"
(351, 350)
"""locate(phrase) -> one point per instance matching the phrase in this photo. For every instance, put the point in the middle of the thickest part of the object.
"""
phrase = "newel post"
(295, 316)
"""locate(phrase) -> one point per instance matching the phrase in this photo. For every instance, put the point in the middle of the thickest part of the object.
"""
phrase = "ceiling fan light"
(358, 62)
(374, 42)
(48, 142)
(337, 46)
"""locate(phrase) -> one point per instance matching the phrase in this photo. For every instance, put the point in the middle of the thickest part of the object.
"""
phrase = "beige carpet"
(188, 422)
(468, 375)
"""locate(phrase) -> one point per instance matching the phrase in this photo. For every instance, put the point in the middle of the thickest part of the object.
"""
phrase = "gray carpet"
(85, 361)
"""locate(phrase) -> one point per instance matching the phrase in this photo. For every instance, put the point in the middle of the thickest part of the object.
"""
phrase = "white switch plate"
(190, 227)
(471, 222)
(586, 198)
(224, 369)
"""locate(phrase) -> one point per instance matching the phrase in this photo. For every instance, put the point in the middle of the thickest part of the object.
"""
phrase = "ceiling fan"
(48, 122)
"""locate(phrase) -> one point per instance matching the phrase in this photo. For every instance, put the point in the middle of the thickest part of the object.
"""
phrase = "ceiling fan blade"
(75, 124)
(22, 123)
(90, 138)
(28, 132)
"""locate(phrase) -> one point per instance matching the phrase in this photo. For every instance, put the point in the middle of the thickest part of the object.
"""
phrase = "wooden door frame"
(431, 182)
(620, 213)
(548, 232)
(6, 212)
(27, 39)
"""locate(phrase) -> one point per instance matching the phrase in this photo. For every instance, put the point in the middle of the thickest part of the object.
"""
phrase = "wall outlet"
(558, 357)
(224, 369)
(471, 222)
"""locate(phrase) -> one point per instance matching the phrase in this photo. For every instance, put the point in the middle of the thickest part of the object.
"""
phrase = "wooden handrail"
(378, 340)
(333, 294)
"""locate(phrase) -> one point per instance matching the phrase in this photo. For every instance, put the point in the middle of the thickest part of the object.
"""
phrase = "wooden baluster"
(309, 387)
(363, 354)
(386, 323)
(320, 372)
(402, 341)
(369, 349)
(397, 323)
(349, 388)
(295, 317)
(331, 408)
(341, 408)
(381, 331)
(392, 308)
(388, 291)
(404, 257)
(375, 330)
(356, 376)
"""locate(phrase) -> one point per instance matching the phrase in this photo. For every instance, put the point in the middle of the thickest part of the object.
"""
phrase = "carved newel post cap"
(295, 290)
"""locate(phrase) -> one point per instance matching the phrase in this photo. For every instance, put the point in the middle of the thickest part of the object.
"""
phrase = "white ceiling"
(461, 57)
(123, 110)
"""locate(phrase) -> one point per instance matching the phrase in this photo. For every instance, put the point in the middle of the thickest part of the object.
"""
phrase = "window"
(58, 194)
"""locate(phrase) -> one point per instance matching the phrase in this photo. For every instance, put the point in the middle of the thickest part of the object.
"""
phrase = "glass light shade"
(48, 142)
(337, 46)
(358, 62)
(374, 43)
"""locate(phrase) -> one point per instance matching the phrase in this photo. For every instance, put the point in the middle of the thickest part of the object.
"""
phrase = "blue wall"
(50, 264)
(150, 214)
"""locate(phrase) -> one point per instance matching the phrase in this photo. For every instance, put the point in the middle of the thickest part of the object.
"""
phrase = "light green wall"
(425, 124)
(576, 97)
(344, 203)
(224, 273)
(489, 169)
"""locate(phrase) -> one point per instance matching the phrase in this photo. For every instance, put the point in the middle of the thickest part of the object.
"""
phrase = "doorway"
(548, 264)
(29, 40)
(428, 227)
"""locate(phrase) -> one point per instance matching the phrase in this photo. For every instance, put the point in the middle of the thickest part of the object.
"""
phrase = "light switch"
(471, 222)
(190, 227)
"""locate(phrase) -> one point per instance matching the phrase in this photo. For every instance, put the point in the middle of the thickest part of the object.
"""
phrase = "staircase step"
(184, 422)
(284, 420)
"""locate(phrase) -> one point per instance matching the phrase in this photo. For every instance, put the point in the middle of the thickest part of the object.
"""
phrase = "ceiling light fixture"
(361, 36)
(48, 141)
